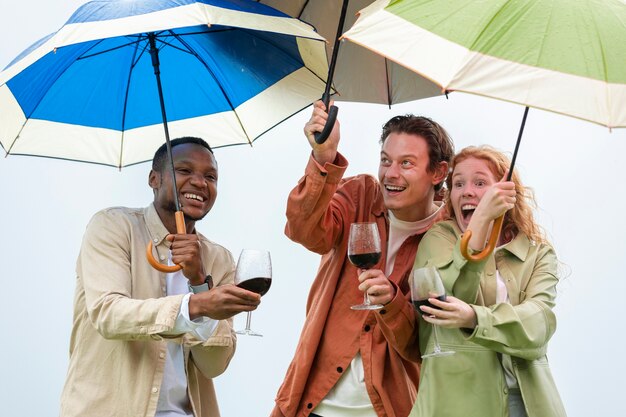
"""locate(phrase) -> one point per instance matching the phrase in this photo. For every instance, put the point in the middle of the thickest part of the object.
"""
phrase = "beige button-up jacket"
(117, 352)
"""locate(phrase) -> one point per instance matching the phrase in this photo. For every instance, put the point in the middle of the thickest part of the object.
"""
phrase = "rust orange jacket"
(319, 213)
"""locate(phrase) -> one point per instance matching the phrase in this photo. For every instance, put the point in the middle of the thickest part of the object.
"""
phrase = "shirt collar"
(419, 226)
(519, 246)
(378, 208)
(156, 228)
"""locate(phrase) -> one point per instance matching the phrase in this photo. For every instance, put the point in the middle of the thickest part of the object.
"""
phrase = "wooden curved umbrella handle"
(491, 244)
(180, 228)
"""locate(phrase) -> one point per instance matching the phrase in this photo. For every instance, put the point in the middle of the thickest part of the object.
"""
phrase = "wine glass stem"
(248, 319)
(436, 348)
(366, 299)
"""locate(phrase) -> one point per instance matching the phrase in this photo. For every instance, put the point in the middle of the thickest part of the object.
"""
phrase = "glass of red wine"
(364, 252)
(253, 273)
(426, 283)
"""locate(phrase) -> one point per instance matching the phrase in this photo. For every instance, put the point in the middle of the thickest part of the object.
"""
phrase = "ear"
(440, 173)
(154, 179)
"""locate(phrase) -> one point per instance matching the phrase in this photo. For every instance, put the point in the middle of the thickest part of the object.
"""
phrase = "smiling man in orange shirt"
(343, 365)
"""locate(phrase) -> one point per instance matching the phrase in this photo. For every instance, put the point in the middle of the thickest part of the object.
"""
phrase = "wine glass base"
(249, 332)
(367, 307)
(439, 354)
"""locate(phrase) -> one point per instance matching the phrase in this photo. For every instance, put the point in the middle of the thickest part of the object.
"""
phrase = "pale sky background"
(573, 166)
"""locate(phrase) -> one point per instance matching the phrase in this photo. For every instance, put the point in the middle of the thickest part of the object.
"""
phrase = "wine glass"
(253, 273)
(364, 253)
(426, 283)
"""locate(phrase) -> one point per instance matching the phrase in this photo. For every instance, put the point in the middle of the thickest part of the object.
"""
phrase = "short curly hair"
(440, 144)
(160, 156)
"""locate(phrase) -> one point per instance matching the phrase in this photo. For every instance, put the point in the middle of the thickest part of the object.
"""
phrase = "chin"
(196, 216)
(460, 223)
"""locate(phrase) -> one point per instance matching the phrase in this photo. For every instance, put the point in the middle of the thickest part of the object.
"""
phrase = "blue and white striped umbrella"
(230, 69)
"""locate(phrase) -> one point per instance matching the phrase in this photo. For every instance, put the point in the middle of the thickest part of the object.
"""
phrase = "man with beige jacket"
(144, 342)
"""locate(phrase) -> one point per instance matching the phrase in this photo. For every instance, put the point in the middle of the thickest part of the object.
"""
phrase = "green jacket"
(471, 383)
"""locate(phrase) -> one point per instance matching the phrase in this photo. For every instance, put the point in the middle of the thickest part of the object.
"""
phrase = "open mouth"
(394, 188)
(195, 197)
(467, 210)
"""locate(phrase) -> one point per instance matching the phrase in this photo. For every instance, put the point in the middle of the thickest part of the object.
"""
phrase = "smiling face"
(406, 183)
(196, 179)
(471, 178)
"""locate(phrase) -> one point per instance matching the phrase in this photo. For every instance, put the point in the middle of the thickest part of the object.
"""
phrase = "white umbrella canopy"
(360, 75)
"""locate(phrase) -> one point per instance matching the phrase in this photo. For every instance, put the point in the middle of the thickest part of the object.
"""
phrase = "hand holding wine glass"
(364, 252)
(253, 273)
(426, 283)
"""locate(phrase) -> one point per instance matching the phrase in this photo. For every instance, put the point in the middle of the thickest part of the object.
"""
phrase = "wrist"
(204, 284)
(470, 321)
(194, 306)
(324, 157)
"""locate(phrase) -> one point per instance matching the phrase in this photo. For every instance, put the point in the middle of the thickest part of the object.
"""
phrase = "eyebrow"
(407, 155)
(473, 173)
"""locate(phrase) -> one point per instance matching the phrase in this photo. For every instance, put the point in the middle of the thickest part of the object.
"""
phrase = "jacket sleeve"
(440, 248)
(522, 330)
(399, 323)
(314, 211)
(105, 271)
(213, 355)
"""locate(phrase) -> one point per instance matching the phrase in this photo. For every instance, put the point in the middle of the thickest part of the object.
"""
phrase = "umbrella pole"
(154, 53)
(180, 218)
(332, 112)
(519, 140)
(497, 224)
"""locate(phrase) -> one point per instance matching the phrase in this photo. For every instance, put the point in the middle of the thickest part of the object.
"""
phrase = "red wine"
(364, 260)
(258, 285)
(425, 302)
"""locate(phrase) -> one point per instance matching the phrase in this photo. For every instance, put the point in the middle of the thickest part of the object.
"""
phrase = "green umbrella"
(566, 56)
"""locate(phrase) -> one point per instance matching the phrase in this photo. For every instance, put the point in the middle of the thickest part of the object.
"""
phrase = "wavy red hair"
(520, 218)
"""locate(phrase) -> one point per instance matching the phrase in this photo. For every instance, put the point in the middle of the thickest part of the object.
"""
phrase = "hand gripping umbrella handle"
(491, 244)
(320, 137)
(180, 228)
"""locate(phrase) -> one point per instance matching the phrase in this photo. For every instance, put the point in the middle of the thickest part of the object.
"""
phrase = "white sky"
(573, 166)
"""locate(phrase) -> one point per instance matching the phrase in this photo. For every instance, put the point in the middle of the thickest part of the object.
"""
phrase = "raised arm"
(314, 208)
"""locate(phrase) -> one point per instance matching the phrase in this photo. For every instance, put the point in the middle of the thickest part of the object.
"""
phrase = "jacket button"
(323, 174)
(309, 406)
(339, 369)
(383, 311)
(155, 390)
(367, 328)
(155, 240)
(506, 390)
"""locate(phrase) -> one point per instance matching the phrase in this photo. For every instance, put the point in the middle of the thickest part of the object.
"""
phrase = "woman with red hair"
(498, 315)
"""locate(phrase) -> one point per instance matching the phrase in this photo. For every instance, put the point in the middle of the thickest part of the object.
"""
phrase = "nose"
(198, 180)
(468, 191)
(392, 171)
